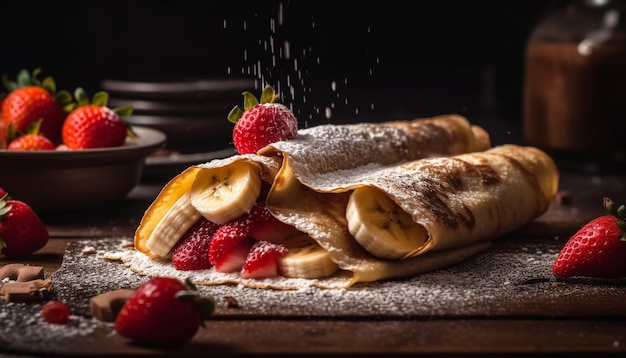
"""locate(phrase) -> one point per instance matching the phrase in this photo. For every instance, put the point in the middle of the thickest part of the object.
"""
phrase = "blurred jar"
(575, 85)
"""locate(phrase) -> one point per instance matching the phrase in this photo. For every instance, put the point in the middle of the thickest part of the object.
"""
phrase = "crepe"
(332, 148)
(463, 202)
(442, 170)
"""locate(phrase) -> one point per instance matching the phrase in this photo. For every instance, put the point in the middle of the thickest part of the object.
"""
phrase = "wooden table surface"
(593, 324)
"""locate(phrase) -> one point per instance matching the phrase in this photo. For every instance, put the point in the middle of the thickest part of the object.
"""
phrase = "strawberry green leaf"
(124, 111)
(189, 283)
(621, 212)
(249, 100)
(24, 78)
(81, 97)
(12, 133)
(34, 127)
(100, 99)
(609, 206)
(64, 97)
(4, 208)
(68, 108)
(235, 114)
(49, 85)
(207, 306)
(34, 80)
(268, 95)
(8, 84)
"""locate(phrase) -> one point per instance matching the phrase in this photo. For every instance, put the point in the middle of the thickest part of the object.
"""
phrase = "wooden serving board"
(506, 293)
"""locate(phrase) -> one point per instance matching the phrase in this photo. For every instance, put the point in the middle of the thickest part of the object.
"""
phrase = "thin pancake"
(462, 201)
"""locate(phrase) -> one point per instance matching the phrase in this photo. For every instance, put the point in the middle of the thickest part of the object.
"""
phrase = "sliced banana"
(305, 258)
(381, 226)
(173, 225)
(225, 193)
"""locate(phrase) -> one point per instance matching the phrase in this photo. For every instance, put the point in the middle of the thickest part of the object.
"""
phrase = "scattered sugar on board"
(496, 282)
(25, 330)
(487, 282)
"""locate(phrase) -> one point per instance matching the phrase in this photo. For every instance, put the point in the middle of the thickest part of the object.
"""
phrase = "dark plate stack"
(192, 113)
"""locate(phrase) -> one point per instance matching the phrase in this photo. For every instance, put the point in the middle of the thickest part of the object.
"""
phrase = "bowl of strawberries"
(62, 153)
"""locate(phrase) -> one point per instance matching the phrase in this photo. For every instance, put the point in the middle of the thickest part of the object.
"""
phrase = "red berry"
(55, 312)
(163, 312)
(93, 126)
(261, 123)
(31, 142)
(262, 262)
(267, 228)
(26, 105)
(191, 252)
(596, 250)
(230, 245)
(21, 231)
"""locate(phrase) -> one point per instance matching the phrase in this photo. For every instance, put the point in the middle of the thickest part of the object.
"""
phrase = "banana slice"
(173, 225)
(225, 193)
(305, 258)
(381, 226)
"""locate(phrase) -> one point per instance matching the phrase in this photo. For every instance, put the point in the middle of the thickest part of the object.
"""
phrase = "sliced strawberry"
(226, 239)
(267, 228)
(233, 259)
(191, 251)
(227, 250)
(262, 260)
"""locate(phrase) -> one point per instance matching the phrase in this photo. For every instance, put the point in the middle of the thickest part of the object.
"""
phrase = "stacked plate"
(192, 113)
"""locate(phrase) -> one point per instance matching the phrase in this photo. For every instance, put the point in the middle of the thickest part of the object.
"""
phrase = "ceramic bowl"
(70, 180)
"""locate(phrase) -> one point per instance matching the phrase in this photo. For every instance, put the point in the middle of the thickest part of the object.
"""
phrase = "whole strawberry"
(93, 125)
(32, 140)
(260, 124)
(21, 230)
(598, 249)
(30, 100)
(163, 311)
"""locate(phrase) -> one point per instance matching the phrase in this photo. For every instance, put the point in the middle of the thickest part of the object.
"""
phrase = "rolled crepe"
(463, 202)
(441, 170)
(332, 148)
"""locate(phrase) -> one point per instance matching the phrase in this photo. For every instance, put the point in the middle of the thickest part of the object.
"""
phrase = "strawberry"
(55, 312)
(30, 100)
(191, 251)
(232, 242)
(261, 262)
(93, 125)
(32, 140)
(230, 246)
(163, 311)
(21, 230)
(598, 249)
(267, 228)
(260, 124)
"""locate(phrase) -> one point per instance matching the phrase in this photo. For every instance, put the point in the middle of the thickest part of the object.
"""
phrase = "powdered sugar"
(512, 278)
